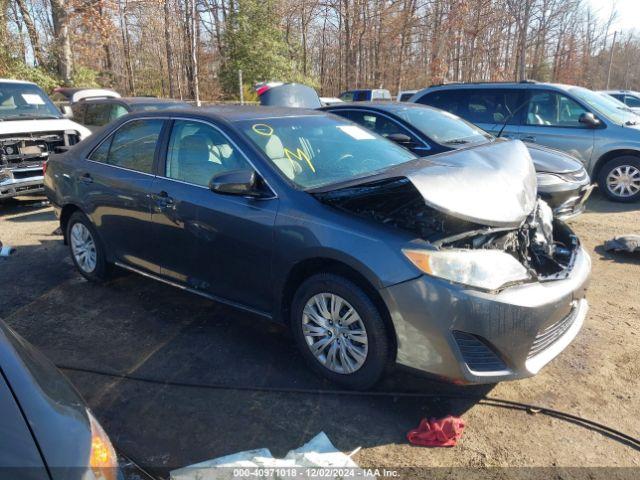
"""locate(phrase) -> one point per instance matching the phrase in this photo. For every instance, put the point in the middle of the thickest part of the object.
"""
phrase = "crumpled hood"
(492, 184)
(553, 161)
(17, 127)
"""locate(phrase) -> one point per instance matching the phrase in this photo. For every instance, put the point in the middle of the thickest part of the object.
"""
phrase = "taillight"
(44, 167)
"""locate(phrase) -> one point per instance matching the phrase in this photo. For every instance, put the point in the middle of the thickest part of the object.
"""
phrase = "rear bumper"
(469, 336)
(12, 187)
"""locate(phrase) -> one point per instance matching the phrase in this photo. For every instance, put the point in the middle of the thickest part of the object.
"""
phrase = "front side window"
(25, 101)
(378, 123)
(632, 101)
(553, 109)
(347, 97)
(315, 151)
(118, 111)
(132, 146)
(198, 151)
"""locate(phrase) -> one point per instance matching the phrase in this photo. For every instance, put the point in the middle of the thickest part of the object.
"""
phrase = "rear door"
(218, 244)
(115, 182)
(552, 119)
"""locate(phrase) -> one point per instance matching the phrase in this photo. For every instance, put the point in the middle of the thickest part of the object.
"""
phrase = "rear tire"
(619, 179)
(86, 249)
(348, 334)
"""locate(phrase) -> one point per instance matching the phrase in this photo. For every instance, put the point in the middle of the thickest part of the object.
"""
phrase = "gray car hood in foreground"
(493, 184)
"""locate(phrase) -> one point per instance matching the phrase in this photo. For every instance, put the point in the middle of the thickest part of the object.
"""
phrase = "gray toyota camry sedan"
(372, 256)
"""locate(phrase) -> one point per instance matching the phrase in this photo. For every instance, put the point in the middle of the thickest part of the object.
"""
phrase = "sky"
(628, 17)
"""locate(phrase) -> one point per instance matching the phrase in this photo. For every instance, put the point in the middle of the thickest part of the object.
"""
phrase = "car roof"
(485, 85)
(388, 106)
(11, 80)
(234, 113)
(150, 100)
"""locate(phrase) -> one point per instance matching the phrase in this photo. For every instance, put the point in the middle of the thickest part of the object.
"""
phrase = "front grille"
(477, 354)
(552, 333)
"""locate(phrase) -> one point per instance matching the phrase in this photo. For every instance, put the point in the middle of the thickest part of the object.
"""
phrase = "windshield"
(25, 101)
(443, 127)
(609, 107)
(316, 151)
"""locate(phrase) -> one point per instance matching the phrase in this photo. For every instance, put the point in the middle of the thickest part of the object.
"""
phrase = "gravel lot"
(136, 326)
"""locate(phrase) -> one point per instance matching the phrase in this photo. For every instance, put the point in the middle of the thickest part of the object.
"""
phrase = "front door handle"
(86, 178)
(528, 138)
(163, 199)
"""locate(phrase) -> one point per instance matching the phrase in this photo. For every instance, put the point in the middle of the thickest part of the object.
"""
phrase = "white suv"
(31, 128)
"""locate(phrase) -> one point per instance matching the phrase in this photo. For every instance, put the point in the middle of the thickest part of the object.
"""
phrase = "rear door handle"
(528, 138)
(86, 178)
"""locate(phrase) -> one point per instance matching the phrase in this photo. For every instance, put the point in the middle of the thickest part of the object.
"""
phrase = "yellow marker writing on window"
(263, 129)
(299, 155)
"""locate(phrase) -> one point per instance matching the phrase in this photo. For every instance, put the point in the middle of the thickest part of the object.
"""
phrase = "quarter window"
(133, 146)
(553, 109)
(198, 151)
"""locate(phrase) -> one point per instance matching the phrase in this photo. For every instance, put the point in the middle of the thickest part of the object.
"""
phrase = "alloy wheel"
(83, 247)
(335, 333)
(624, 181)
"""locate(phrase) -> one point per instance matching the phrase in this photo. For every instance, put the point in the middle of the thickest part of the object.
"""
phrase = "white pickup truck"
(31, 128)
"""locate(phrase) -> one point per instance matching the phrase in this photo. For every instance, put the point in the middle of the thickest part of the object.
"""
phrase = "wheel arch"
(610, 155)
(65, 214)
(305, 269)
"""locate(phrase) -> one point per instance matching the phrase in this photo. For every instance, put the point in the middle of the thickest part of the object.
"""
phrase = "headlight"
(4, 175)
(102, 460)
(546, 179)
(486, 269)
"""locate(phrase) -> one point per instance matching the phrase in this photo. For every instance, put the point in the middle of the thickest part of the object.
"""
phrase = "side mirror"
(401, 139)
(67, 112)
(236, 182)
(589, 119)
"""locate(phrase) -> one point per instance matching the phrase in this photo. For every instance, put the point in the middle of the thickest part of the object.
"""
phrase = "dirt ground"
(137, 326)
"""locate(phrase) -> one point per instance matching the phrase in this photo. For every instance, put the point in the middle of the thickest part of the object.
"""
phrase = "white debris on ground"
(6, 250)
(319, 452)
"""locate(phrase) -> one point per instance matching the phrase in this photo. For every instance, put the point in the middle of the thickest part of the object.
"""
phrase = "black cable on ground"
(609, 432)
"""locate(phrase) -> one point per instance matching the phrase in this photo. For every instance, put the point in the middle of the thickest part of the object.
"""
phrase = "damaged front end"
(482, 223)
(22, 156)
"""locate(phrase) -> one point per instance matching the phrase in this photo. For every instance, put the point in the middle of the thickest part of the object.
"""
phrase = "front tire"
(86, 249)
(619, 179)
(340, 331)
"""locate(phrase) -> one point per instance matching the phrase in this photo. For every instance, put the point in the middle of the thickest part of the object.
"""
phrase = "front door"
(115, 183)
(552, 119)
(218, 244)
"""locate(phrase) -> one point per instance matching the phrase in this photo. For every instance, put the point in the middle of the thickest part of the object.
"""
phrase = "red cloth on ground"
(444, 432)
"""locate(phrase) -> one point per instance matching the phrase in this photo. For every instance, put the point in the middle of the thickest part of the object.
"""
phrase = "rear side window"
(488, 106)
(632, 101)
(97, 114)
(132, 146)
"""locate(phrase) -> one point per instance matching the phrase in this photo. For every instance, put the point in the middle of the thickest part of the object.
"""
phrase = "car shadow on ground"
(618, 257)
(20, 205)
(189, 354)
(601, 204)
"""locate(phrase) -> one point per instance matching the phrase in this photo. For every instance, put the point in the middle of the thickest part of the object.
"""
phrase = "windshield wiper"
(457, 141)
(631, 122)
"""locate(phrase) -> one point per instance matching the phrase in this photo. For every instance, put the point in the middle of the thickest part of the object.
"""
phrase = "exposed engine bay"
(545, 247)
(31, 149)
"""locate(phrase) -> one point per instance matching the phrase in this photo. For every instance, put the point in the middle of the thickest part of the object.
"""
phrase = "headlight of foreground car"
(102, 460)
(485, 269)
(4, 175)
(547, 179)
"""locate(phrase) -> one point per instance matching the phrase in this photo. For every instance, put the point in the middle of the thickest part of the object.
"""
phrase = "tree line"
(195, 48)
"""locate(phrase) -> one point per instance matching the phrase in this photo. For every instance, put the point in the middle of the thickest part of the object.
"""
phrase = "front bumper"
(470, 336)
(567, 201)
(32, 182)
